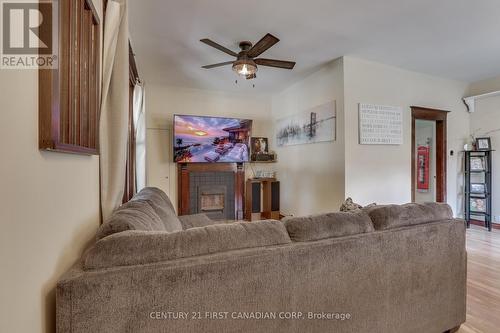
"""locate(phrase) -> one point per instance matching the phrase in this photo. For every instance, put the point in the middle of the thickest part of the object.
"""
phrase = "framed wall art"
(317, 124)
(483, 144)
(380, 125)
(259, 145)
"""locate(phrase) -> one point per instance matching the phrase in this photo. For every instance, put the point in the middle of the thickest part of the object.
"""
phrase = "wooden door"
(440, 117)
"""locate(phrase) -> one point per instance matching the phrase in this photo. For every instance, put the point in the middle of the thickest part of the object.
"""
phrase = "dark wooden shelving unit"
(485, 174)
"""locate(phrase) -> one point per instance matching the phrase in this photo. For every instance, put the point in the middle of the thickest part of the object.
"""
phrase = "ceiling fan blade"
(275, 63)
(218, 47)
(262, 45)
(218, 65)
(251, 76)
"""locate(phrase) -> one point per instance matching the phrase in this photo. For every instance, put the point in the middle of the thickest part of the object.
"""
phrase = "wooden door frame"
(440, 117)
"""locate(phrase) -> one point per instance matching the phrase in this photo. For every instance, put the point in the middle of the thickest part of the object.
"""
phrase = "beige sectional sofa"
(383, 269)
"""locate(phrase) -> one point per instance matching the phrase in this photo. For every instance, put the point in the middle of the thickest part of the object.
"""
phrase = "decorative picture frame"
(483, 143)
(316, 124)
(259, 145)
(477, 163)
(478, 188)
(380, 125)
(478, 205)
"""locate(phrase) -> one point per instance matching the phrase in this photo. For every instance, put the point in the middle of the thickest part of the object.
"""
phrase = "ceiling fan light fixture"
(245, 67)
(247, 59)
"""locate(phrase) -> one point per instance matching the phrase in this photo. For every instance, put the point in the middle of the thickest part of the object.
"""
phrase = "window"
(69, 96)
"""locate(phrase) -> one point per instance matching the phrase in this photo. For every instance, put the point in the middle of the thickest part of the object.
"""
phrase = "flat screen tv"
(200, 139)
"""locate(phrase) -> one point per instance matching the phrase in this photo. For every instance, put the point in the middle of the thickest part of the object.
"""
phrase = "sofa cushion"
(142, 247)
(393, 216)
(315, 227)
(133, 215)
(162, 205)
(196, 221)
(350, 206)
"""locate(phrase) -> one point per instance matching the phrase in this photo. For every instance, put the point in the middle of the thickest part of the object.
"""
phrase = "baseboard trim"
(481, 224)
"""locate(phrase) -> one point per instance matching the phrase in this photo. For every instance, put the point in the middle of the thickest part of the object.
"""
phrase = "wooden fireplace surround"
(183, 175)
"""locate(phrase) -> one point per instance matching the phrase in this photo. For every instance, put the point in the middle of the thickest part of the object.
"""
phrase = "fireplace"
(212, 193)
(212, 200)
(212, 189)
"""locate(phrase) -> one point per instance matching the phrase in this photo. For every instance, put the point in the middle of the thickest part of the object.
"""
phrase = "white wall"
(162, 102)
(49, 209)
(382, 174)
(312, 175)
(485, 121)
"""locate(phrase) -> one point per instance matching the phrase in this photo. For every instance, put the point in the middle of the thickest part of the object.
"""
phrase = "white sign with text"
(380, 125)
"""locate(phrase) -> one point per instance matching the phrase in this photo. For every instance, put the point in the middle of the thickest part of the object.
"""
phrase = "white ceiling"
(457, 39)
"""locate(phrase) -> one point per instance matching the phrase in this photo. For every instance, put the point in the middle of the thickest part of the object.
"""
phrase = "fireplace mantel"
(184, 171)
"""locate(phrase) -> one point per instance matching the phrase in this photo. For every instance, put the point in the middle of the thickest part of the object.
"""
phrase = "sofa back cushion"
(321, 226)
(196, 221)
(133, 215)
(142, 247)
(394, 216)
(162, 205)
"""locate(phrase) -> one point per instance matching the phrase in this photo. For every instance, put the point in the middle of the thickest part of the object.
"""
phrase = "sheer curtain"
(113, 127)
(139, 110)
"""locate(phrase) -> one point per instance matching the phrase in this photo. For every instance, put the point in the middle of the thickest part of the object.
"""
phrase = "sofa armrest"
(196, 221)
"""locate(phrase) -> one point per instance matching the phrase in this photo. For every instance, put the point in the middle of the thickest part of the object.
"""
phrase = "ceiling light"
(245, 67)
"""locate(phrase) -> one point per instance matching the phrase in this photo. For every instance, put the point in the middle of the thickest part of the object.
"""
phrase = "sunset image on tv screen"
(211, 139)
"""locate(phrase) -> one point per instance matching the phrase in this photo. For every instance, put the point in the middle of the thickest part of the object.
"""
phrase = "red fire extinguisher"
(423, 153)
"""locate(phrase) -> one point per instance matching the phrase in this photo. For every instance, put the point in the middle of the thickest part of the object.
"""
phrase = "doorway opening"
(428, 162)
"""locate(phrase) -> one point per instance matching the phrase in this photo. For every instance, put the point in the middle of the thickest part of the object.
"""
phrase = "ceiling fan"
(245, 63)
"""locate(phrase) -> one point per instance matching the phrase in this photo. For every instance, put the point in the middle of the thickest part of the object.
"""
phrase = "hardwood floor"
(483, 281)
